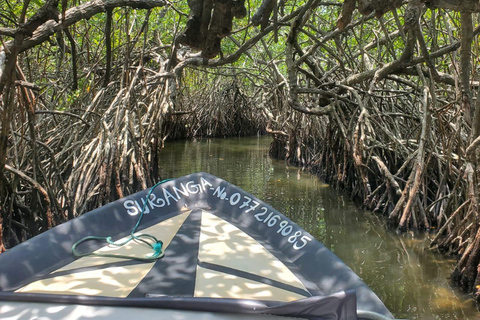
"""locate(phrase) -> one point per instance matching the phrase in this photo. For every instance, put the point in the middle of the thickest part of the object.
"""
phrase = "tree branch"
(455, 5)
(81, 12)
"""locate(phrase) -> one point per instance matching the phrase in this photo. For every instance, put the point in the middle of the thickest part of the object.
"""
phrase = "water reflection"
(411, 280)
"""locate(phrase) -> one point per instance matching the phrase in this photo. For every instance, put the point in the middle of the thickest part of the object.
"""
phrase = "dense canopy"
(377, 97)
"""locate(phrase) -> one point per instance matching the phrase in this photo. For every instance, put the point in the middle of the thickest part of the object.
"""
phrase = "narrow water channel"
(410, 280)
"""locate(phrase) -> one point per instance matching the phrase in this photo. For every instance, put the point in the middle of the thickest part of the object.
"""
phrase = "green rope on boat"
(147, 239)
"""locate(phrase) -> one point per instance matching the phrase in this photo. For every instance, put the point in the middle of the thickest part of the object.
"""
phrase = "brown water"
(410, 280)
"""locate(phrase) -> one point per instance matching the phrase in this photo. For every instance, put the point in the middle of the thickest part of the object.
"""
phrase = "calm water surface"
(410, 280)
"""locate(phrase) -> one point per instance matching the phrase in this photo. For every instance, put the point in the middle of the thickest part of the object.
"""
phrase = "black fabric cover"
(338, 306)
